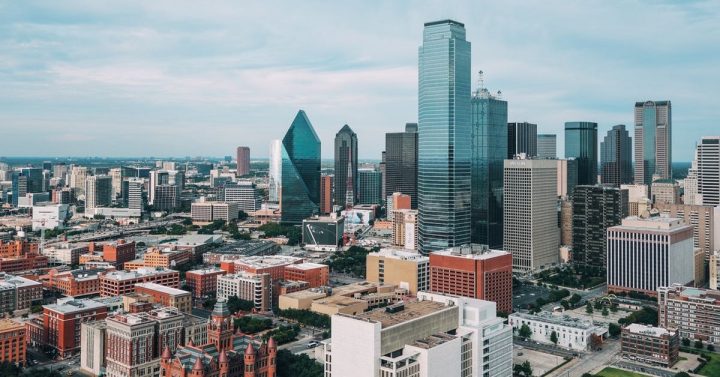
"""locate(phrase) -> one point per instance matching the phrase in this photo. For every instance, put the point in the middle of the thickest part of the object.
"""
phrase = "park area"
(614, 372)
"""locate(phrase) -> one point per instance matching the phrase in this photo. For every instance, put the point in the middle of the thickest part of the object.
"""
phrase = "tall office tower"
(665, 191)
(383, 168)
(300, 187)
(595, 209)
(78, 175)
(326, 194)
(708, 170)
(401, 167)
(653, 141)
(167, 197)
(98, 191)
(132, 193)
(489, 149)
(130, 340)
(275, 172)
(243, 161)
(404, 232)
(567, 172)
(157, 178)
(616, 157)
(346, 167)
(645, 253)
(521, 138)
(245, 194)
(444, 148)
(547, 146)
(530, 214)
(705, 221)
(370, 187)
(26, 181)
(581, 143)
(433, 336)
(691, 193)
(60, 170)
(116, 175)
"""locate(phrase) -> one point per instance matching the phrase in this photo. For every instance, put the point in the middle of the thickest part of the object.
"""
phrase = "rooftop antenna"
(481, 83)
(499, 94)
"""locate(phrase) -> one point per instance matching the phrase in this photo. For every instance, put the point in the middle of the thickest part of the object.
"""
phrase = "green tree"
(698, 344)
(614, 329)
(554, 337)
(588, 308)
(686, 342)
(291, 365)
(523, 370)
(711, 348)
(525, 331)
(681, 374)
(598, 304)
(235, 304)
(605, 312)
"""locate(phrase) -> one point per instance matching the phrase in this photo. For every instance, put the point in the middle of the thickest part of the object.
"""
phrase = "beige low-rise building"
(406, 269)
(301, 300)
(348, 299)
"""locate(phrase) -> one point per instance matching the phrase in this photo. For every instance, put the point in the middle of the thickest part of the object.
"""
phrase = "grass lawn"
(712, 368)
(613, 372)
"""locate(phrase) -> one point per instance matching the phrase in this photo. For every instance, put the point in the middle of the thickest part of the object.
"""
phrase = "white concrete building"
(637, 194)
(708, 170)
(244, 194)
(49, 216)
(211, 211)
(435, 336)
(572, 333)
(247, 286)
(92, 347)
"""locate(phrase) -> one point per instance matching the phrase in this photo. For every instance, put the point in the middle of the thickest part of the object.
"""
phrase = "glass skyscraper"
(522, 138)
(489, 149)
(653, 141)
(547, 146)
(401, 155)
(26, 181)
(444, 144)
(346, 167)
(300, 185)
(616, 157)
(581, 144)
(370, 186)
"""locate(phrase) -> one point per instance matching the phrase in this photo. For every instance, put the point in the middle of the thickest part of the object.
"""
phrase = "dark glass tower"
(401, 155)
(581, 144)
(521, 138)
(370, 187)
(616, 157)
(26, 181)
(346, 167)
(489, 150)
(595, 209)
(300, 197)
(653, 141)
(443, 140)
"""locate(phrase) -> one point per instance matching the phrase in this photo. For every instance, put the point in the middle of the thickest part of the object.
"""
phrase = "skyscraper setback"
(346, 167)
(300, 187)
(616, 157)
(401, 162)
(581, 144)
(489, 149)
(653, 141)
(444, 150)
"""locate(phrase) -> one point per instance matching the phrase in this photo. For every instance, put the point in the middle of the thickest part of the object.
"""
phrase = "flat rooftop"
(162, 288)
(412, 310)
(140, 272)
(206, 271)
(564, 320)
(652, 223)
(8, 324)
(401, 254)
(478, 252)
(433, 341)
(72, 305)
(637, 328)
(308, 266)
(268, 261)
(307, 293)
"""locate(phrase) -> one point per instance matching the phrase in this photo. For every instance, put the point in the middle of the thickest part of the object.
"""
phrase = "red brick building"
(317, 275)
(12, 342)
(62, 320)
(118, 252)
(326, 194)
(17, 256)
(473, 271)
(18, 248)
(225, 355)
(118, 283)
(203, 282)
(74, 283)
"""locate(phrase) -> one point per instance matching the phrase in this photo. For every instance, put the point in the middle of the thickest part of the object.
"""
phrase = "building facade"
(653, 141)
(595, 209)
(650, 345)
(708, 170)
(346, 167)
(62, 323)
(581, 144)
(203, 282)
(256, 288)
(243, 161)
(571, 333)
(300, 186)
(406, 269)
(693, 312)
(401, 163)
(369, 187)
(326, 194)
(522, 139)
(547, 146)
(616, 157)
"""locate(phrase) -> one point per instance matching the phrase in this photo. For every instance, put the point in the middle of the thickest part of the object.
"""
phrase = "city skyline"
(76, 75)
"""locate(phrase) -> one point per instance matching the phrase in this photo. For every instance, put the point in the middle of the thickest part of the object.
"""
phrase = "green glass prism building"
(300, 186)
(581, 143)
(444, 149)
(489, 137)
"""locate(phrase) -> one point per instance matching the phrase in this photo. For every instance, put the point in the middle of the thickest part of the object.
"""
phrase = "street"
(590, 362)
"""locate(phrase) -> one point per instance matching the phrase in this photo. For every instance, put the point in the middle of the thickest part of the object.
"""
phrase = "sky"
(198, 78)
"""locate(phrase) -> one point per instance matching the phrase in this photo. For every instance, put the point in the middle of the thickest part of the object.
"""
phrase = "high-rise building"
(705, 221)
(547, 146)
(616, 157)
(98, 191)
(404, 231)
(474, 271)
(645, 253)
(489, 149)
(117, 179)
(275, 172)
(300, 187)
(444, 148)
(167, 198)
(581, 144)
(93, 349)
(346, 167)
(567, 177)
(245, 193)
(243, 161)
(435, 335)
(26, 181)
(595, 209)
(665, 191)
(530, 214)
(326, 194)
(691, 193)
(521, 138)
(78, 175)
(369, 187)
(404, 268)
(401, 162)
(708, 170)
(132, 193)
(256, 288)
(694, 312)
(62, 320)
(653, 141)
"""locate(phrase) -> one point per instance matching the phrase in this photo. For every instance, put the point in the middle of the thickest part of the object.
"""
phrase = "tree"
(574, 299)
(598, 304)
(523, 370)
(588, 308)
(686, 342)
(605, 312)
(614, 329)
(209, 304)
(291, 365)
(554, 337)
(614, 307)
(235, 304)
(525, 331)
(698, 344)
(711, 348)
(681, 374)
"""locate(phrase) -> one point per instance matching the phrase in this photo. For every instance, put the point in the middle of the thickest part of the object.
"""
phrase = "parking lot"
(541, 362)
(527, 294)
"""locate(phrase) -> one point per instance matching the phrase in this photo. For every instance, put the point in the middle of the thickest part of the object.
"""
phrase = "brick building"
(75, 283)
(17, 248)
(650, 345)
(12, 342)
(317, 275)
(203, 282)
(163, 258)
(225, 355)
(62, 322)
(117, 283)
(18, 293)
(166, 296)
(117, 252)
(473, 271)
